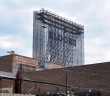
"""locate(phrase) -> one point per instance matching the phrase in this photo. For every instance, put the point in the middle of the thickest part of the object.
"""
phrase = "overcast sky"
(16, 24)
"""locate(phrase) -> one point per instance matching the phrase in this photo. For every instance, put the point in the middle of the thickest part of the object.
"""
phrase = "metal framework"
(57, 40)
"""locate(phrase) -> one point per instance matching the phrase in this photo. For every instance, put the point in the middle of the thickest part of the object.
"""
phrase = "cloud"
(5, 43)
(16, 29)
(17, 44)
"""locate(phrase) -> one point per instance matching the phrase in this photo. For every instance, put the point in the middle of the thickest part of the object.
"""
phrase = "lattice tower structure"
(57, 40)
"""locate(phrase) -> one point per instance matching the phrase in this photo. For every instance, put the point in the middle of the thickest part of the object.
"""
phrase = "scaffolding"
(57, 40)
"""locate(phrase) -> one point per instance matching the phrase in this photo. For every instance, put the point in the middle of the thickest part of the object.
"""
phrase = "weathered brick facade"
(17, 59)
(49, 65)
(94, 77)
(79, 78)
(7, 62)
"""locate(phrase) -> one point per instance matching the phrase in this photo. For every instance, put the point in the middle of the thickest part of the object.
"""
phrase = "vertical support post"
(19, 88)
(66, 83)
(0, 84)
(18, 81)
(14, 86)
(35, 88)
(24, 87)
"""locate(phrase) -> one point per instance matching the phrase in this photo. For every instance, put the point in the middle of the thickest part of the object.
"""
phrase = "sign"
(61, 38)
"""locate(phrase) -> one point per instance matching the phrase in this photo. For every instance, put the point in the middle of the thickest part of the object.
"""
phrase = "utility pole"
(66, 83)
(18, 80)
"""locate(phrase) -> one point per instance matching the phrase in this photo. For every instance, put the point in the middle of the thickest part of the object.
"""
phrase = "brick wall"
(6, 63)
(94, 77)
(17, 59)
(52, 66)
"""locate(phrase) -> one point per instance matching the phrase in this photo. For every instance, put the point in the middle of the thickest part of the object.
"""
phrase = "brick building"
(11, 63)
(94, 77)
(80, 78)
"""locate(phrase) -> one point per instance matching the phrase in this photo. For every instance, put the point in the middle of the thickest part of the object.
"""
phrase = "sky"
(16, 25)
